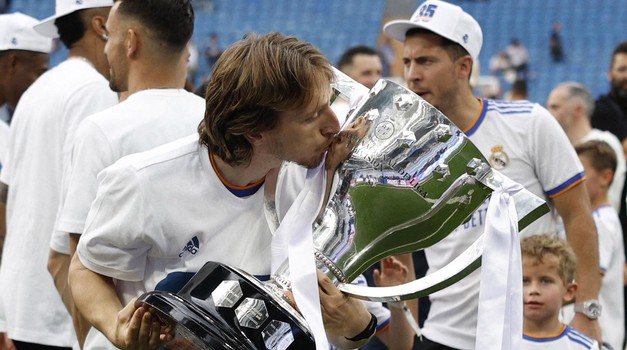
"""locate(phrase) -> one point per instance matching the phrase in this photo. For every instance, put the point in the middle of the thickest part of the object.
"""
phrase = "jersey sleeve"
(115, 241)
(556, 162)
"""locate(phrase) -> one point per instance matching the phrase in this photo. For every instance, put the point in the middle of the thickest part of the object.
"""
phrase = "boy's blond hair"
(538, 247)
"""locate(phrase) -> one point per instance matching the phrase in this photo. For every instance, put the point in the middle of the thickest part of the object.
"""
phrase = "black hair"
(453, 49)
(350, 53)
(171, 21)
(620, 48)
(71, 28)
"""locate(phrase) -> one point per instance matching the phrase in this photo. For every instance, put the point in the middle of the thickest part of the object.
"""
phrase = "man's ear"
(465, 66)
(607, 175)
(580, 110)
(132, 43)
(10, 63)
(98, 25)
(255, 138)
(571, 289)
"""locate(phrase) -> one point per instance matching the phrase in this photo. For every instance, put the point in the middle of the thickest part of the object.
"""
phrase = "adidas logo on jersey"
(191, 247)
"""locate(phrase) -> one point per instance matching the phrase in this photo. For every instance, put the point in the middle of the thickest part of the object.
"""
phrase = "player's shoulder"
(511, 108)
(161, 155)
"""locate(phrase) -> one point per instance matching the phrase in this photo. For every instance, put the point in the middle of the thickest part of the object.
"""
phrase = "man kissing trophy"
(408, 180)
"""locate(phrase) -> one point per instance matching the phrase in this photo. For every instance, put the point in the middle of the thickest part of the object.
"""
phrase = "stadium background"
(590, 30)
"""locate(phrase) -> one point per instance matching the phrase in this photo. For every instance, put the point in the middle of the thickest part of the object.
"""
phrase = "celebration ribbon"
(499, 322)
(296, 229)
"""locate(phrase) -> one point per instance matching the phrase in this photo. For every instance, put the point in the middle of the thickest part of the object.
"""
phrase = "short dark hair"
(599, 153)
(453, 49)
(71, 28)
(350, 53)
(170, 21)
(255, 80)
(519, 86)
(621, 48)
(579, 91)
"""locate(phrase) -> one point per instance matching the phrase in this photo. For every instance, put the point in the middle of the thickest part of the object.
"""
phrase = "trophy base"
(225, 308)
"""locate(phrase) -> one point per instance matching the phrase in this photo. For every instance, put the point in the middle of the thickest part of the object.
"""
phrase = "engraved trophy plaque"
(409, 181)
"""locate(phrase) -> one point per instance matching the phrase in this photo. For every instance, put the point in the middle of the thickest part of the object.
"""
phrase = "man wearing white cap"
(24, 56)
(520, 139)
(38, 152)
(147, 53)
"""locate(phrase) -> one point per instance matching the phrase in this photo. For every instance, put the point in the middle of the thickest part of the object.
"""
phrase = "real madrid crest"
(498, 159)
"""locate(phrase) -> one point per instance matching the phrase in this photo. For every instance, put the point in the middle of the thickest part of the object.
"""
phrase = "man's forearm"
(58, 266)
(575, 209)
(400, 334)
(582, 236)
(94, 296)
(408, 260)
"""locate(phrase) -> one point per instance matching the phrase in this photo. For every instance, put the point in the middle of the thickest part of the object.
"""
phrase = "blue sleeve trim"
(174, 281)
(566, 185)
(383, 324)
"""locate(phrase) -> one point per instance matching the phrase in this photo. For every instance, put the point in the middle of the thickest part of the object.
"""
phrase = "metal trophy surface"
(410, 179)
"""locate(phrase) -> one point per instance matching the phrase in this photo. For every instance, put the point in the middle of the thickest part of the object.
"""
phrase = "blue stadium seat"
(335, 25)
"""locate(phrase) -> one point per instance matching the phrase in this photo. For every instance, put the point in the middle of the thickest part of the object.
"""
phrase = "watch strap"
(368, 331)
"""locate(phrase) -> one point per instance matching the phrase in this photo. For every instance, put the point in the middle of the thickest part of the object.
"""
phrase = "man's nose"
(413, 73)
(331, 124)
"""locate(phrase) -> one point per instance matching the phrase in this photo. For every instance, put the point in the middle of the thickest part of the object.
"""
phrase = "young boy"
(599, 162)
(548, 282)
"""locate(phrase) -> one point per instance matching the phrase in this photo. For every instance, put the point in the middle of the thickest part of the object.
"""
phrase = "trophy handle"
(457, 269)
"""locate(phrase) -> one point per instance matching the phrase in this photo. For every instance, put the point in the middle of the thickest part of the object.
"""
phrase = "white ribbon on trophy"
(499, 321)
(295, 231)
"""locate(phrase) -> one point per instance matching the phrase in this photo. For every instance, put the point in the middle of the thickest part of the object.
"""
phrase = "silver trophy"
(409, 180)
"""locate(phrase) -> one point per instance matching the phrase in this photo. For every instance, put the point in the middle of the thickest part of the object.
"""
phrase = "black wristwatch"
(368, 332)
(589, 308)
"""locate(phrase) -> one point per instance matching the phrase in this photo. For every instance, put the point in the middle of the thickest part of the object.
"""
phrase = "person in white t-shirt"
(42, 129)
(520, 139)
(268, 101)
(147, 54)
(572, 105)
(599, 162)
(548, 274)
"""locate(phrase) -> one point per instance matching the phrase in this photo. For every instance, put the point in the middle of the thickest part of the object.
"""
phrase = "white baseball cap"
(64, 7)
(17, 33)
(444, 19)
